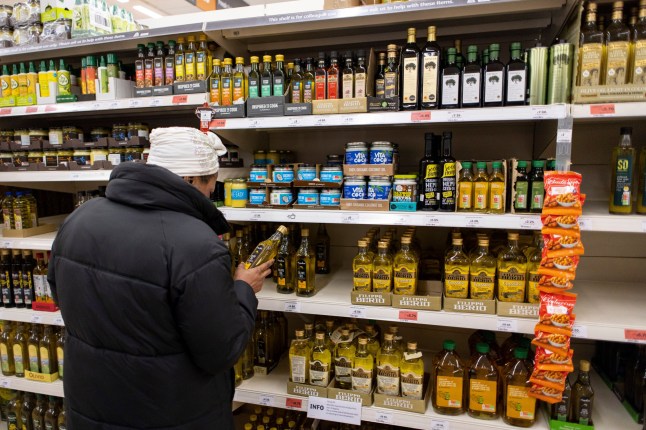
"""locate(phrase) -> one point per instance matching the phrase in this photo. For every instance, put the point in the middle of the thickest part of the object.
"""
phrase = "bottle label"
(360, 85)
(215, 91)
(39, 287)
(591, 57)
(5, 279)
(429, 78)
(296, 92)
(362, 380)
(18, 359)
(179, 68)
(538, 193)
(516, 86)
(390, 85)
(493, 86)
(343, 370)
(450, 90)
(380, 88)
(298, 366)
(200, 65)
(149, 73)
(519, 404)
(319, 86)
(308, 89)
(301, 274)
(139, 75)
(319, 373)
(623, 184)
(497, 196)
(382, 281)
(483, 283)
(533, 293)
(481, 195)
(465, 192)
(456, 281)
(44, 360)
(639, 61)
(361, 277)
(254, 88)
(279, 86)
(169, 73)
(522, 191)
(585, 411)
(449, 391)
(17, 219)
(405, 280)
(34, 363)
(410, 77)
(448, 185)
(190, 66)
(431, 186)
(483, 395)
(348, 85)
(281, 270)
(238, 90)
(471, 88)
(562, 409)
(511, 284)
(265, 87)
(412, 386)
(321, 256)
(332, 87)
(4, 357)
(261, 350)
(617, 62)
(388, 380)
(226, 91)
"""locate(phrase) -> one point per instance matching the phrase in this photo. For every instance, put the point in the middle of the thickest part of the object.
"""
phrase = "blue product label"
(330, 199)
(257, 176)
(332, 176)
(356, 156)
(239, 194)
(378, 192)
(281, 198)
(381, 156)
(257, 197)
(306, 175)
(308, 199)
(355, 192)
(286, 176)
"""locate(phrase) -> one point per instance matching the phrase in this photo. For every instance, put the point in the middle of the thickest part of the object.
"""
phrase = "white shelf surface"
(21, 384)
(503, 114)
(609, 110)
(55, 176)
(31, 316)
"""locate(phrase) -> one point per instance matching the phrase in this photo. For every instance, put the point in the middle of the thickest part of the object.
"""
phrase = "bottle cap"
(361, 53)
(482, 348)
(412, 31)
(497, 165)
(254, 59)
(467, 165)
(284, 230)
(171, 43)
(515, 46)
(112, 58)
(362, 243)
(305, 232)
(388, 336)
(538, 163)
(280, 57)
(309, 326)
(481, 164)
(512, 236)
(449, 345)
(451, 51)
(521, 353)
(584, 366)
(239, 60)
(522, 164)
(458, 242)
(483, 242)
(412, 345)
(181, 40)
(363, 340)
(266, 58)
(345, 332)
(494, 47)
(300, 333)
(228, 61)
(432, 29)
(320, 335)
(626, 130)
(202, 38)
(321, 55)
(142, 46)
(83, 63)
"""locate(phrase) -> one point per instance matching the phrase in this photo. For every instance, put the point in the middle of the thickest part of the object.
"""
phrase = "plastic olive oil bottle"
(267, 249)
(363, 369)
(299, 355)
(305, 262)
(623, 162)
(448, 386)
(320, 362)
(405, 268)
(519, 409)
(465, 188)
(512, 272)
(412, 373)
(362, 268)
(481, 188)
(456, 272)
(482, 272)
(388, 367)
(483, 385)
(382, 269)
(344, 360)
(497, 189)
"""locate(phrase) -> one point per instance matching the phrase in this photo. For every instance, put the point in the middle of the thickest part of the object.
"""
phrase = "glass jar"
(55, 136)
(116, 155)
(134, 153)
(33, 33)
(283, 173)
(35, 157)
(332, 173)
(405, 188)
(355, 187)
(381, 153)
(379, 188)
(308, 196)
(227, 192)
(335, 160)
(65, 156)
(72, 133)
(273, 157)
(21, 137)
(21, 35)
(306, 172)
(37, 136)
(51, 157)
(260, 157)
(356, 153)
(257, 196)
(82, 157)
(6, 37)
(99, 153)
(239, 193)
(281, 196)
(5, 15)
(258, 173)
(120, 132)
(133, 129)
(330, 197)
(99, 133)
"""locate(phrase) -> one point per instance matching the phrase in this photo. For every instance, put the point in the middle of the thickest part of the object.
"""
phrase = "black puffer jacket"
(154, 319)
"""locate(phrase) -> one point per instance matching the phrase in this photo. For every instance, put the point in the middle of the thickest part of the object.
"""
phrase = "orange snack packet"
(546, 394)
(555, 284)
(549, 360)
(564, 225)
(558, 265)
(563, 194)
(562, 246)
(557, 310)
(552, 339)
(549, 378)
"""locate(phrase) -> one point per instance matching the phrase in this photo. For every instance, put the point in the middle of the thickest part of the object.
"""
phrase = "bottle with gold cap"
(391, 73)
(591, 50)
(617, 37)
(582, 396)
(253, 80)
(533, 277)
(278, 76)
(512, 272)
(267, 249)
(344, 360)
(363, 369)
(239, 82)
(285, 269)
(189, 60)
(482, 272)
(226, 83)
(382, 269)
(299, 359)
(639, 47)
(412, 373)
(388, 367)
(405, 269)
(410, 72)
(430, 67)
(215, 85)
(180, 60)
(320, 361)
(202, 58)
(456, 272)
(305, 262)
(362, 268)
(266, 77)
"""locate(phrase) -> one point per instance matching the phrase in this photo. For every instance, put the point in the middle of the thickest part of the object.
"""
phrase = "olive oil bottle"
(451, 93)
(38, 413)
(189, 60)
(494, 78)
(363, 369)
(51, 414)
(512, 272)
(472, 80)
(47, 348)
(448, 386)
(347, 77)
(533, 277)
(388, 367)
(497, 189)
(360, 75)
(362, 268)
(410, 73)
(638, 67)
(278, 77)
(60, 352)
(641, 188)
(299, 359)
(6, 351)
(296, 83)
(305, 267)
(481, 188)
(322, 251)
(266, 77)
(26, 410)
(382, 269)
(264, 339)
(391, 74)
(537, 186)
(20, 354)
(267, 249)
(405, 270)
(13, 411)
(561, 411)
(33, 345)
(412, 373)
(483, 385)
(592, 51)
(202, 58)
(253, 80)
(239, 82)
(516, 72)
(429, 173)
(456, 272)
(430, 67)
(180, 60)
(519, 409)
(482, 272)
(380, 83)
(320, 362)
(226, 83)
(617, 37)
(344, 360)
(465, 187)
(582, 396)
(285, 269)
(5, 279)
(373, 341)
(623, 164)
(308, 81)
(448, 180)
(521, 201)
(215, 86)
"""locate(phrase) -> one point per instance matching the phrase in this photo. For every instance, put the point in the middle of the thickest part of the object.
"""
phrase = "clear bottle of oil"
(344, 360)
(285, 269)
(363, 369)
(412, 372)
(373, 341)
(483, 385)
(226, 82)
(465, 187)
(362, 268)
(497, 189)
(33, 351)
(519, 409)
(189, 60)
(6, 351)
(180, 60)
(623, 166)
(47, 347)
(456, 272)
(267, 249)
(448, 386)
(481, 188)
(299, 359)
(382, 269)
(305, 263)
(617, 37)
(320, 362)
(388, 367)
(239, 82)
(533, 277)
(512, 272)
(405, 269)
(482, 272)
(20, 354)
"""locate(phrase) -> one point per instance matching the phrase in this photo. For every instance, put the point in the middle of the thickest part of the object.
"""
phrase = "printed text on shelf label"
(408, 315)
(580, 331)
(507, 325)
(607, 109)
(293, 307)
(439, 425)
(338, 411)
(293, 403)
(266, 400)
(358, 312)
(420, 116)
(384, 418)
(637, 335)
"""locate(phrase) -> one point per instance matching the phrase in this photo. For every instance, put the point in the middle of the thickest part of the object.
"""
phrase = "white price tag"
(155, 102)
(507, 325)
(334, 410)
(401, 220)
(6, 244)
(321, 122)
(439, 425)
(432, 221)
(585, 223)
(5, 383)
(347, 120)
(473, 222)
(96, 106)
(36, 319)
(253, 123)
(255, 216)
(455, 117)
(358, 312)
(292, 307)
(75, 176)
(530, 223)
(266, 400)
(580, 331)
(564, 135)
(114, 105)
(539, 112)
(206, 115)
(134, 103)
(350, 218)
(59, 321)
(294, 122)
(384, 417)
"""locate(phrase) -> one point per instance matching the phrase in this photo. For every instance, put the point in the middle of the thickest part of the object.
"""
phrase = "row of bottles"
(35, 411)
(23, 279)
(21, 81)
(101, 69)
(261, 418)
(482, 192)
(437, 174)
(20, 211)
(32, 347)
(627, 170)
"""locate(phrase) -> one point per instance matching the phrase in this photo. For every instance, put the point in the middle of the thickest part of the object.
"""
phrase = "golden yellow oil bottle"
(623, 165)
(6, 351)
(299, 359)
(189, 60)
(639, 47)
(237, 372)
(202, 59)
(362, 268)
(320, 362)
(405, 267)
(47, 347)
(641, 188)
(305, 263)
(382, 269)
(592, 50)
(448, 381)
(465, 187)
(20, 354)
(284, 266)
(412, 373)
(617, 37)
(388, 367)
(497, 189)
(60, 352)
(363, 369)
(533, 277)
(215, 87)
(519, 409)
(226, 83)
(482, 272)
(267, 249)
(483, 385)
(373, 341)
(512, 272)
(33, 351)
(481, 188)
(344, 360)
(180, 60)
(456, 272)
(239, 82)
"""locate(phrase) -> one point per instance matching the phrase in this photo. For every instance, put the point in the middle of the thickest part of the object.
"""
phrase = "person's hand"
(254, 277)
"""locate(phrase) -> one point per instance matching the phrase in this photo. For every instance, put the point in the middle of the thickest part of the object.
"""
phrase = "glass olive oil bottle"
(264, 342)
(26, 410)
(494, 78)
(519, 409)
(285, 269)
(215, 84)
(226, 82)
(448, 386)
(481, 188)
(483, 385)
(512, 272)
(6, 351)
(239, 253)
(582, 396)
(239, 82)
(305, 267)
(363, 370)
(497, 189)
(482, 272)
(20, 354)
(33, 350)
(253, 80)
(472, 80)
(344, 360)
(322, 251)
(405, 269)
(362, 268)
(391, 74)
(410, 73)
(388, 367)
(47, 347)
(521, 202)
(617, 37)
(465, 187)
(533, 277)
(299, 359)
(592, 50)
(451, 93)
(456, 272)
(516, 87)
(266, 77)
(537, 186)
(623, 164)
(51, 414)
(382, 269)
(320, 362)
(412, 373)
(267, 249)
(430, 66)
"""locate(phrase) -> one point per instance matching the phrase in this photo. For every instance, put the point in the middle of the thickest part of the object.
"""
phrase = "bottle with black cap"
(320, 78)
(360, 74)
(348, 77)
(447, 171)
(429, 169)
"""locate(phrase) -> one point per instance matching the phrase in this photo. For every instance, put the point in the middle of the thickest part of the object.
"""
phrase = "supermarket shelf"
(503, 114)
(55, 176)
(21, 384)
(609, 111)
(608, 412)
(41, 242)
(597, 218)
(31, 316)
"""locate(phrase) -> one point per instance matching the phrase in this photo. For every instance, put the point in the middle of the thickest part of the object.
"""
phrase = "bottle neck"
(267, 66)
(383, 252)
(472, 58)
(617, 16)
(279, 65)
(457, 248)
(388, 345)
(321, 64)
(411, 39)
(626, 141)
(513, 244)
(483, 249)
(515, 54)
(451, 59)
(591, 19)
(319, 342)
(584, 377)
(305, 242)
(493, 56)
(254, 67)
(362, 349)
(405, 247)
(431, 36)
(363, 250)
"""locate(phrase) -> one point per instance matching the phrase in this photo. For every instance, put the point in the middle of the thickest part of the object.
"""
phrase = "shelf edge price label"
(644, 226)
(350, 218)
(432, 221)
(32, 109)
(5, 383)
(384, 417)
(180, 99)
(253, 123)
(472, 221)
(439, 425)
(255, 216)
(635, 335)
(218, 123)
(585, 223)
(133, 103)
(401, 220)
(294, 122)
(408, 315)
(455, 117)
(51, 108)
(293, 403)
(155, 102)
(59, 321)
(321, 122)
(5, 111)
(294, 307)
(340, 411)
(36, 319)
(358, 312)
(266, 400)
(529, 223)
(605, 109)
(507, 325)
(420, 116)
(539, 113)
(348, 120)
(580, 331)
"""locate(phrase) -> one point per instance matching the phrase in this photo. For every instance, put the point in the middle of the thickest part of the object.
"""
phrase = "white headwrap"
(185, 151)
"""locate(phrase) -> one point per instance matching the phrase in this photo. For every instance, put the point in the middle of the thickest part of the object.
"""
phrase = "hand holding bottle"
(254, 276)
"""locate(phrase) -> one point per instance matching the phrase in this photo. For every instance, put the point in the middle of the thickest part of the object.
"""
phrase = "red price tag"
(635, 334)
(408, 315)
(5, 111)
(293, 403)
(32, 109)
(218, 123)
(180, 99)
(607, 109)
(50, 108)
(420, 116)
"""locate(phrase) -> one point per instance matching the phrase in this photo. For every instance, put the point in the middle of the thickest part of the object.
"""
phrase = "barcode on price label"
(292, 307)
(507, 325)
(384, 418)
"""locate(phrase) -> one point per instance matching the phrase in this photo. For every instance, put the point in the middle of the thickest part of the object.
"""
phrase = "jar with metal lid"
(273, 157)
(50, 157)
(239, 193)
(355, 187)
(306, 172)
(82, 157)
(257, 196)
(330, 197)
(356, 153)
(120, 132)
(332, 173)
(99, 153)
(5, 15)
(281, 196)
(35, 157)
(227, 192)
(72, 133)
(20, 158)
(99, 133)
(283, 173)
(116, 155)
(37, 135)
(381, 153)
(55, 136)
(405, 188)
(6, 137)
(260, 157)
(133, 129)
(308, 196)
(379, 188)
(6, 157)
(334, 160)
(21, 137)
(65, 156)
(21, 35)
(134, 153)
(258, 173)
(6, 37)
(33, 33)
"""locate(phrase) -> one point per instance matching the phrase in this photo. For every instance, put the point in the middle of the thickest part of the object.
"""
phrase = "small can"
(283, 173)
(381, 153)
(258, 173)
(306, 172)
(257, 196)
(355, 187)
(559, 86)
(356, 153)
(308, 196)
(332, 173)
(405, 188)
(281, 196)
(379, 188)
(330, 197)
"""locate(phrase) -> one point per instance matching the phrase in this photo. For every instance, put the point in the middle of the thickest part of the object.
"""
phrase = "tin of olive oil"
(538, 58)
(559, 86)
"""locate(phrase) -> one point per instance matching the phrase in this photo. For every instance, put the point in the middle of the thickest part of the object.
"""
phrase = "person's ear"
(188, 179)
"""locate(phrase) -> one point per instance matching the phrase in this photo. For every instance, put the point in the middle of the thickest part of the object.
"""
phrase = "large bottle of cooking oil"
(456, 272)
(7, 211)
(512, 272)
(33, 350)
(483, 385)
(363, 370)
(497, 189)
(382, 269)
(305, 267)
(320, 362)
(519, 409)
(20, 354)
(299, 359)
(617, 38)
(362, 268)
(448, 386)
(21, 212)
(267, 249)
(405, 267)
(592, 50)
(47, 348)
(412, 373)
(6, 351)
(388, 367)
(482, 272)
(623, 165)
(344, 360)
(373, 341)
(533, 277)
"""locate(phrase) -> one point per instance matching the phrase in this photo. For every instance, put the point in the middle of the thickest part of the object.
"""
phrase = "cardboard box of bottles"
(348, 395)
(458, 167)
(365, 205)
(233, 111)
(266, 106)
(517, 310)
(166, 90)
(370, 298)
(325, 107)
(41, 377)
(334, 106)
(368, 169)
(405, 404)
(28, 232)
(191, 87)
(428, 297)
(609, 93)
(470, 306)
(306, 390)
(380, 104)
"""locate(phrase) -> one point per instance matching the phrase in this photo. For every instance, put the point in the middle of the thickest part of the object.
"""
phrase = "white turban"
(185, 151)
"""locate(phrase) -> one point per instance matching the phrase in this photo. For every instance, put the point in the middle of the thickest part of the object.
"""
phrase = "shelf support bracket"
(564, 144)
(233, 47)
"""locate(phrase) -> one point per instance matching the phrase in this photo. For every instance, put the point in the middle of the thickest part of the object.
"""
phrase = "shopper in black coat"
(154, 319)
